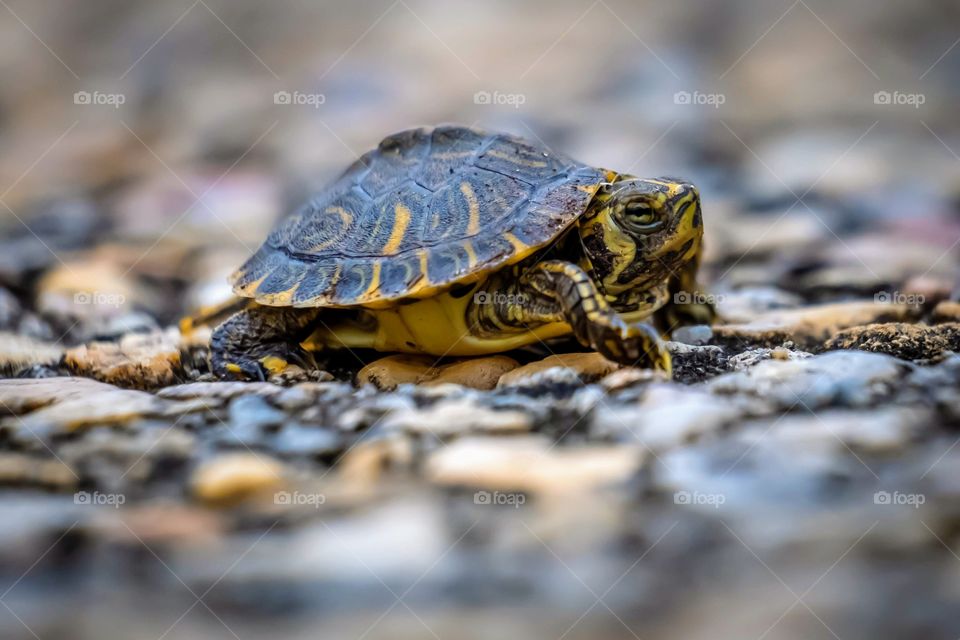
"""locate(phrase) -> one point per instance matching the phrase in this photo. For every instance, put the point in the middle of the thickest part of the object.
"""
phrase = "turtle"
(454, 241)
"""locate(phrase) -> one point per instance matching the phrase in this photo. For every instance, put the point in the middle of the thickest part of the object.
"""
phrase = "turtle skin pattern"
(423, 211)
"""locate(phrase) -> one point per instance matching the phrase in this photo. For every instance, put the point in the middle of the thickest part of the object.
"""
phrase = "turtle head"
(636, 233)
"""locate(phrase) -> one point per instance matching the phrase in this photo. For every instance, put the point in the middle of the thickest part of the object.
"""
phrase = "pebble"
(305, 440)
(252, 414)
(531, 464)
(851, 378)
(17, 469)
(139, 361)
(809, 327)
(746, 303)
(368, 461)
(946, 311)
(479, 373)
(668, 416)
(19, 352)
(906, 341)
(629, 377)
(589, 367)
(458, 416)
(232, 478)
(89, 290)
(24, 395)
(880, 431)
(219, 390)
(696, 334)
(747, 359)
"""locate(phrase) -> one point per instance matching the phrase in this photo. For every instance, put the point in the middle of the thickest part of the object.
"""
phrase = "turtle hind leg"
(261, 341)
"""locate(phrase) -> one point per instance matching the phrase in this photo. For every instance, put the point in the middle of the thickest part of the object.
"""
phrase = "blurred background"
(148, 147)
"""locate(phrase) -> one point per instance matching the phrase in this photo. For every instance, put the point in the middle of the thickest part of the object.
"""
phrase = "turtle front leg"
(260, 341)
(560, 291)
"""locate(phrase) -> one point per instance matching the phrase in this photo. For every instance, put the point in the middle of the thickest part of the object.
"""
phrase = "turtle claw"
(238, 368)
(630, 344)
(261, 366)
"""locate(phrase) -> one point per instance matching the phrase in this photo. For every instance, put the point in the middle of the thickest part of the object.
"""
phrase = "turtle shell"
(425, 210)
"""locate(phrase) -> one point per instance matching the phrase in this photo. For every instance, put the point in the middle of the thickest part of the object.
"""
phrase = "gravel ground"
(797, 476)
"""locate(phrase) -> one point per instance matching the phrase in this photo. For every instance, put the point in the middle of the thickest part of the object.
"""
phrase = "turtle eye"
(641, 217)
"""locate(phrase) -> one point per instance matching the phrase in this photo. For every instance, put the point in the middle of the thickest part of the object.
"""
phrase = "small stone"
(366, 462)
(906, 341)
(219, 390)
(749, 358)
(299, 396)
(629, 377)
(20, 352)
(232, 478)
(112, 407)
(116, 327)
(946, 311)
(458, 416)
(88, 290)
(22, 470)
(927, 288)
(848, 378)
(809, 327)
(251, 413)
(881, 431)
(589, 367)
(25, 395)
(304, 440)
(697, 334)
(668, 416)
(392, 371)
(138, 361)
(531, 464)
(476, 373)
(746, 303)
(68, 404)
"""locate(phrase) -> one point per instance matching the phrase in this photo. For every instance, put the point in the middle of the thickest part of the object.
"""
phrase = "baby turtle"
(457, 242)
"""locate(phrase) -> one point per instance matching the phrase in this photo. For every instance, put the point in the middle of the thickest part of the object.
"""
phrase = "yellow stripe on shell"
(374, 280)
(401, 220)
(473, 226)
(535, 164)
(471, 255)
(518, 245)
